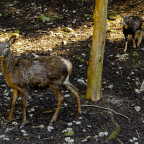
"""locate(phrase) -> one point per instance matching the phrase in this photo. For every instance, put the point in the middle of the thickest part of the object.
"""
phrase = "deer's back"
(39, 72)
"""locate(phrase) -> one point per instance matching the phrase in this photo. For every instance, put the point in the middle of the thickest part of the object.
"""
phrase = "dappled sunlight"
(41, 29)
(47, 41)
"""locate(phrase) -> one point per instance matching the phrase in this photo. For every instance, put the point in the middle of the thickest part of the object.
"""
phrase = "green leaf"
(81, 60)
(112, 17)
(82, 96)
(70, 133)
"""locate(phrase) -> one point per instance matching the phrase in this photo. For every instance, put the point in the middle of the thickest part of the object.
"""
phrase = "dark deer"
(132, 25)
(24, 74)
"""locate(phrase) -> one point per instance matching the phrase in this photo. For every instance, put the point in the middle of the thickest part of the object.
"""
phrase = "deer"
(25, 74)
(131, 26)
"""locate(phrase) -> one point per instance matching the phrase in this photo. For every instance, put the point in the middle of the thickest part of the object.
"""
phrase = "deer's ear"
(12, 40)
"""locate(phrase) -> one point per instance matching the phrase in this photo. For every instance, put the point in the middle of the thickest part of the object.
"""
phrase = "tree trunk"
(94, 75)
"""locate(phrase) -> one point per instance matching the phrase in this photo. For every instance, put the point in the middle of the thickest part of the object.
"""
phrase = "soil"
(118, 118)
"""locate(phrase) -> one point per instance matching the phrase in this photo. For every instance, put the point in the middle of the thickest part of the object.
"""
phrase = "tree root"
(106, 109)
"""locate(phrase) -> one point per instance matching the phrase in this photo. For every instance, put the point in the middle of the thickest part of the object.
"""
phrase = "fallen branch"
(106, 109)
(120, 141)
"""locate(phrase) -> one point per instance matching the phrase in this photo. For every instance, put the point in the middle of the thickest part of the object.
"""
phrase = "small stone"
(85, 26)
(71, 141)
(8, 98)
(70, 124)
(50, 128)
(84, 130)
(137, 108)
(6, 94)
(85, 140)
(81, 81)
(23, 131)
(142, 86)
(67, 95)
(83, 54)
(105, 133)
(49, 24)
(132, 73)
(17, 12)
(31, 115)
(74, 11)
(101, 134)
(65, 104)
(80, 118)
(66, 130)
(74, 21)
(110, 86)
(3, 86)
(2, 136)
(41, 126)
(14, 123)
(32, 4)
(131, 140)
(11, 5)
(64, 42)
(25, 134)
(32, 109)
(6, 139)
(67, 139)
(135, 139)
(89, 126)
(78, 122)
(137, 90)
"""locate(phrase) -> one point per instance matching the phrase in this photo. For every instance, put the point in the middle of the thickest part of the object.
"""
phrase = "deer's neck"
(8, 63)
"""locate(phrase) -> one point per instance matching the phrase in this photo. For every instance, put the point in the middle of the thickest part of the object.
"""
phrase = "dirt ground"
(118, 118)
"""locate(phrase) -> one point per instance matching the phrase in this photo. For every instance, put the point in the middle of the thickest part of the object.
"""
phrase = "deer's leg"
(126, 42)
(13, 101)
(133, 39)
(75, 92)
(24, 94)
(60, 97)
(140, 37)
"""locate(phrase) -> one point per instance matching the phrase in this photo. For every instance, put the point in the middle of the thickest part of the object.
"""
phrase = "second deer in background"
(132, 25)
